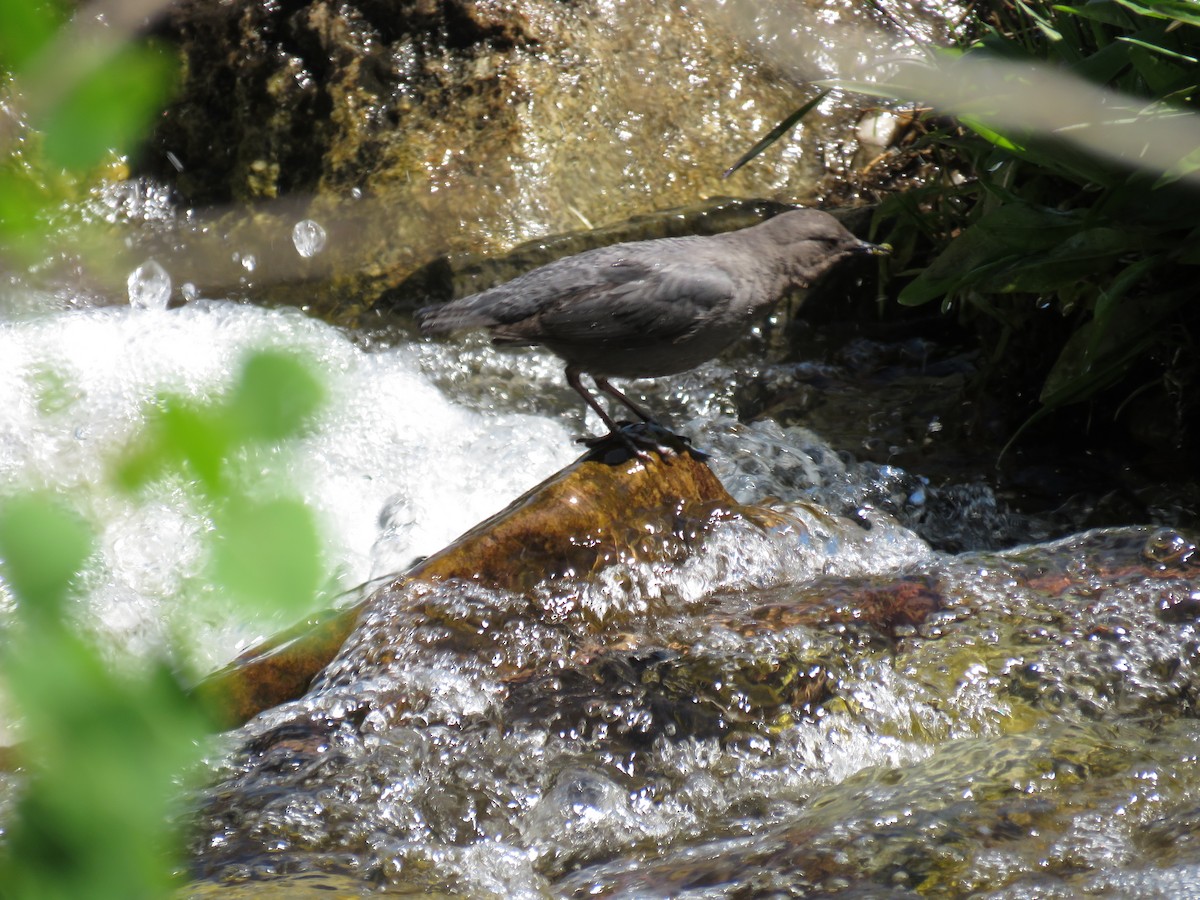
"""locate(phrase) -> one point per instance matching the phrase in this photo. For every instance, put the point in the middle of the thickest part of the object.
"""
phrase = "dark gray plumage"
(651, 308)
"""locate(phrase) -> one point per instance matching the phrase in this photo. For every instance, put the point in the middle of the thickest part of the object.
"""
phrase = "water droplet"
(309, 238)
(149, 286)
(190, 291)
(249, 262)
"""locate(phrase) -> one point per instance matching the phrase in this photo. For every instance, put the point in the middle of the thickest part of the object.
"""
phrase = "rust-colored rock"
(583, 518)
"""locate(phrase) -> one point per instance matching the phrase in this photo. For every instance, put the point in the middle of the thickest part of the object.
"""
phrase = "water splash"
(73, 392)
(149, 286)
(308, 236)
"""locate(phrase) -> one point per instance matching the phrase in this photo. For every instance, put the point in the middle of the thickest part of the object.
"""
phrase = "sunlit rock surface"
(582, 520)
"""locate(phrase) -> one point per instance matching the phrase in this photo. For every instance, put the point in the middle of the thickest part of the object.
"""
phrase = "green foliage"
(1046, 199)
(109, 110)
(266, 551)
(106, 748)
(107, 744)
(103, 750)
(1048, 221)
(274, 398)
(42, 547)
(80, 105)
(26, 26)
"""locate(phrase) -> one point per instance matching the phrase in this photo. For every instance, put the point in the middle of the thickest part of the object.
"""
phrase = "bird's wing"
(627, 301)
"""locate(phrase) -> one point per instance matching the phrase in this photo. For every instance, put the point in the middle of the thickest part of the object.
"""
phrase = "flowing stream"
(651, 729)
(1022, 742)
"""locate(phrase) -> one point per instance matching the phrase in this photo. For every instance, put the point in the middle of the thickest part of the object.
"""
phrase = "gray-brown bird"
(650, 308)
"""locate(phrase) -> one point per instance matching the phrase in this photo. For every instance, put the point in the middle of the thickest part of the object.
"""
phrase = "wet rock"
(584, 518)
(414, 132)
(679, 718)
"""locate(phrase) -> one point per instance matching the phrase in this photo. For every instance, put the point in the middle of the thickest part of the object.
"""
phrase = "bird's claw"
(640, 439)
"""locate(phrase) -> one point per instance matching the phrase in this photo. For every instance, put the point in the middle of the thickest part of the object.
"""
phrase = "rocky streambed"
(629, 684)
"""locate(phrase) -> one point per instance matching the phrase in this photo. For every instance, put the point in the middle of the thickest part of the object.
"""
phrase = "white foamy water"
(393, 467)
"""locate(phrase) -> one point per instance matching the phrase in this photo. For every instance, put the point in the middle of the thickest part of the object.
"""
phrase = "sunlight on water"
(654, 724)
(393, 467)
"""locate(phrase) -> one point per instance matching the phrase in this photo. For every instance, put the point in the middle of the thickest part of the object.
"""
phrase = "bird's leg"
(637, 439)
(651, 433)
(603, 384)
(573, 381)
(614, 430)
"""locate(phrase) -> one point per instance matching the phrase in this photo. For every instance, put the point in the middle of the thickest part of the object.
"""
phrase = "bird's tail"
(458, 315)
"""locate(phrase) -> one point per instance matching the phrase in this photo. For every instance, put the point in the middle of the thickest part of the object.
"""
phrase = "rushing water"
(1027, 740)
(656, 729)
(394, 468)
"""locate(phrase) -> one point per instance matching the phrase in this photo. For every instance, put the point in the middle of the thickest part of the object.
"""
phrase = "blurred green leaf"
(26, 26)
(269, 553)
(43, 547)
(105, 753)
(110, 109)
(198, 436)
(275, 397)
(178, 434)
(21, 200)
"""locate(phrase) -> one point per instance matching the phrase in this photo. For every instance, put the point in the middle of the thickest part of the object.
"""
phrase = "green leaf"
(1101, 351)
(43, 547)
(1087, 252)
(21, 201)
(105, 752)
(985, 251)
(991, 135)
(275, 397)
(1157, 49)
(776, 133)
(110, 109)
(1180, 10)
(1106, 315)
(1106, 11)
(268, 553)
(1162, 75)
(195, 435)
(1104, 65)
(26, 26)
(1186, 166)
(1041, 21)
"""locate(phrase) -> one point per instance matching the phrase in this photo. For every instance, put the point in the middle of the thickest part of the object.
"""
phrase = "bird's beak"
(876, 249)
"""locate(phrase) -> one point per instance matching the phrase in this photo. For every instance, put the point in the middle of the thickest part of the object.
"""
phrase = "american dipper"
(650, 308)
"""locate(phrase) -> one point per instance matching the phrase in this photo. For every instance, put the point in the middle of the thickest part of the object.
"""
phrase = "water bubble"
(249, 262)
(309, 238)
(149, 286)
(190, 291)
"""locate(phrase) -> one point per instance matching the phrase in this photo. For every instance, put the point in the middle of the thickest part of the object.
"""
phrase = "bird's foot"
(639, 439)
